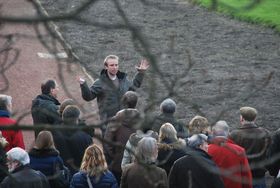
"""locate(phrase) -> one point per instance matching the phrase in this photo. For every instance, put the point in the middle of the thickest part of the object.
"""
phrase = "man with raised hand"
(111, 85)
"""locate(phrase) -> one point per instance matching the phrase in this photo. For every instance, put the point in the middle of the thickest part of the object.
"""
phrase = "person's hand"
(143, 66)
(80, 80)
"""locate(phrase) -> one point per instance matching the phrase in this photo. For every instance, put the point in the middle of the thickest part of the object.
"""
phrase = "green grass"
(266, 12)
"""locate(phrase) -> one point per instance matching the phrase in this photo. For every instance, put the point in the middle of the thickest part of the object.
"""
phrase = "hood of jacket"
(43, 152)
(4, 113)
(120, 75)
(130, 118)
(136, 137)
(178, 144)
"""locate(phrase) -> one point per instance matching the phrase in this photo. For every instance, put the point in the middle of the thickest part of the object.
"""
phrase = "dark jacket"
(276, 183)
(107, 180)
(108, 96)
(273, 154)
(143, 176)
(159, 120)
(3, 163)
(45, 110)
(72, 145)
(255, 140)
(25, 177)
(195, 170)
(46, 161)
(169, 152)
(118, 131)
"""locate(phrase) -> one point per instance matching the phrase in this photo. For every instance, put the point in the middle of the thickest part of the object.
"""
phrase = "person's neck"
(112, 77)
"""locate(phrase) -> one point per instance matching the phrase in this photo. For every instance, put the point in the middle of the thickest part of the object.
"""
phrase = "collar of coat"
(166, 144)
(43, 152)
(120, 75)
(48, 97)
(4, 113)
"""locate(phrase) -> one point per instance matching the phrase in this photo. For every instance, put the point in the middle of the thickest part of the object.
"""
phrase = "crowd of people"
(138, 150)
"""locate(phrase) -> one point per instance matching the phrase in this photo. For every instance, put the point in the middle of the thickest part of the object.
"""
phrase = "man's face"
(204, 146)
(112, 66)
(54, 91)
(12, 164)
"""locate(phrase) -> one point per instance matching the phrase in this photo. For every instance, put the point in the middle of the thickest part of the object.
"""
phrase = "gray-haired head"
(5, 103)
(197, 140)
(221, 128)
(19, 155)
(168, 106)
(147, 150)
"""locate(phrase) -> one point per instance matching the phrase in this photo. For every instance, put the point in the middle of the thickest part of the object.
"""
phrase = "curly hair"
(94, 163)
(198, 125)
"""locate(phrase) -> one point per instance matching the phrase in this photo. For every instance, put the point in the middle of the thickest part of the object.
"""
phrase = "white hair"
(19, 154)
(196, 140)
(5, 102)
(221, 128)
(147, 150)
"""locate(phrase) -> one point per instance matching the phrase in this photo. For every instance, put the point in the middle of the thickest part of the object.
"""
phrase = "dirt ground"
(234, 63)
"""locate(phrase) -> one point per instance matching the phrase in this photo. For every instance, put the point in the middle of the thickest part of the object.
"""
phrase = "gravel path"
(233, 63)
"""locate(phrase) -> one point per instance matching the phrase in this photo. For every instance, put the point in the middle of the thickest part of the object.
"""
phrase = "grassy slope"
(267, 12)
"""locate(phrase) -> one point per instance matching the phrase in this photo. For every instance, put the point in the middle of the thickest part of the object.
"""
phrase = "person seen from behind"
(94, 171)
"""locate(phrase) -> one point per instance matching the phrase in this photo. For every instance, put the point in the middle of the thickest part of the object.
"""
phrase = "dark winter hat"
(168, 106)
(248, 113)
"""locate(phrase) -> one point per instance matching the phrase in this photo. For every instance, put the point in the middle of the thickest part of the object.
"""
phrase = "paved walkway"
(33, 66)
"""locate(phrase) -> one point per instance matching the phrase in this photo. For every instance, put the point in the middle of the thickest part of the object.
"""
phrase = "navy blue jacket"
(107, 180)
(46, 161)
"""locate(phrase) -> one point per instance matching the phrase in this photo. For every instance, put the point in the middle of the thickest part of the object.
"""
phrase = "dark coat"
(276, 183)
(44, 110)
(72, 145)
(169, 152)
(273, 154)
(159, 120)
(255, 140)
(143, 176)
(3, 163)
(107, 180)
(108, 96)
(25, 177)
(198, 165)
(46, 161)
(118, 131)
